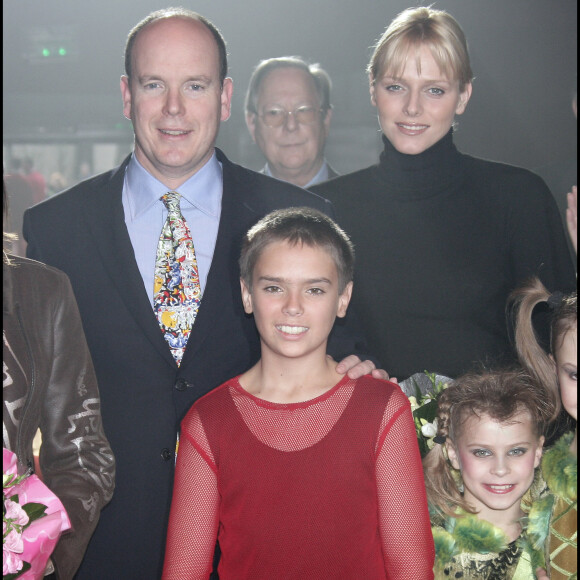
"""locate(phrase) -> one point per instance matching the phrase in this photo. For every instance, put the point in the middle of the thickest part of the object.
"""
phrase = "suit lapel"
(106, 224)
(223, 286)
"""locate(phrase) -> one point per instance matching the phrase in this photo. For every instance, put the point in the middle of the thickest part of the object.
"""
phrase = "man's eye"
(273, 113)
(316, 291)
(436, 91)
(272, 289)
(394, 88)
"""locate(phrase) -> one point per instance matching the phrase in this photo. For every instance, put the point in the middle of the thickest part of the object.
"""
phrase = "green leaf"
(34, 511)
(428, 411)
(418, 393)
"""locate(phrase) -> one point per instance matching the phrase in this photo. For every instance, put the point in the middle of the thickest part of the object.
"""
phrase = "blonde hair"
(564, 316)
(422, 26)
(500, 395)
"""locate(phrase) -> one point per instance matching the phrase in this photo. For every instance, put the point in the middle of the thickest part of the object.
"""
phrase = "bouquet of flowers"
(33, 520)
(423, 390)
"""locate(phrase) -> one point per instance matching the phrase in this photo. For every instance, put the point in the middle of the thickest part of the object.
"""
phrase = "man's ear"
(126, 95)
(246, 298)
(326, 120)
(251, 120)
(452, 454)
(226, 98)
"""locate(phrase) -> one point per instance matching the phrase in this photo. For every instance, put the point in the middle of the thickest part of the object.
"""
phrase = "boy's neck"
(290, 381)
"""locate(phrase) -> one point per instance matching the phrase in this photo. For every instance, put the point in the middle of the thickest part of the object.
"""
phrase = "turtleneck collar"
(423, 175)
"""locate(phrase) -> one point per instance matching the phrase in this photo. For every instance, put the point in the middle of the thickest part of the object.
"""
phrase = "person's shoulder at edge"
(83, 188)
(25, 278)
(504, 175)
(21, 266)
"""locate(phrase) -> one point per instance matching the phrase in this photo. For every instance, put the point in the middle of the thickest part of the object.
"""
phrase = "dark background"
(523, 56)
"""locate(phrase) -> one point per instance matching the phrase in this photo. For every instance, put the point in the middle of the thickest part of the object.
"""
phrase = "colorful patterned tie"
(177, 292)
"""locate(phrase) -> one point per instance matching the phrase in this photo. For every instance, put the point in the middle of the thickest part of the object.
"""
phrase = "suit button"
(181, 384)
(166, 454)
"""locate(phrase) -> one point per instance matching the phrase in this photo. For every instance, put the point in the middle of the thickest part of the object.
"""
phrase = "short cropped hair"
(185, 14)
(298, 225)
(320, 77)
(413, 28)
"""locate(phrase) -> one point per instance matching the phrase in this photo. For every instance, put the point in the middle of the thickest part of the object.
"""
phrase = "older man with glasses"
(288, 114)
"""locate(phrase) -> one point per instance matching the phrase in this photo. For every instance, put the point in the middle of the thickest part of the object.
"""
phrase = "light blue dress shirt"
(321, 176)
(145, 214)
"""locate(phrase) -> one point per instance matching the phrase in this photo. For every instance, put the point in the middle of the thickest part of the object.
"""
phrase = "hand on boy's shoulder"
(355, 368)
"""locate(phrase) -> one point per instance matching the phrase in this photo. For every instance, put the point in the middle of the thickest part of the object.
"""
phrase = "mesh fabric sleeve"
(193, 520)
(403, 514)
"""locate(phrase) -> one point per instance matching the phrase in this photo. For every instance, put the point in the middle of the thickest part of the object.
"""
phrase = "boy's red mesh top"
(331, 488)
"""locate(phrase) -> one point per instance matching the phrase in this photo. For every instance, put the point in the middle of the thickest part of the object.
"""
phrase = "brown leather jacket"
(49, 383)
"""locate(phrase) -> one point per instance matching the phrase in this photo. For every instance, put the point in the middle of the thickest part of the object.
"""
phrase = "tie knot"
(171, 201)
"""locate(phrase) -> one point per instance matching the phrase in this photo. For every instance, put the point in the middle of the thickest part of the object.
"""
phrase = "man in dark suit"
(103, 233)
(288, 113)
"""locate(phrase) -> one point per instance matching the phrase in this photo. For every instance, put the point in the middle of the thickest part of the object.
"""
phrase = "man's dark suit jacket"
(144, 395)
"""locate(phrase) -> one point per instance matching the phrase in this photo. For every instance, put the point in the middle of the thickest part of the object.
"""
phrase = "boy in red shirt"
(298, 471)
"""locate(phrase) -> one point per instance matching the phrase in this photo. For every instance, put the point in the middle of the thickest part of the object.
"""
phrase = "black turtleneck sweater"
(441, 239)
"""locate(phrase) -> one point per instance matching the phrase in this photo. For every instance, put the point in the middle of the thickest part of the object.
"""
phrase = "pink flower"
(13, 545)
(15, 513)
(13, 542)
(12, 563)
(38, 540)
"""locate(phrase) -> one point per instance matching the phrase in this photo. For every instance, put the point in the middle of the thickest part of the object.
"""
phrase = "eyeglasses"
(275, 117)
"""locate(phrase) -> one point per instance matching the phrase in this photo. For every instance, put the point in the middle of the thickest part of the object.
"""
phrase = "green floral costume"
(473, 549)
(558, 509)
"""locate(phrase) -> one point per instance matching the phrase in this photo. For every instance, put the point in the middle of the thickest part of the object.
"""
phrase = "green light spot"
(45, 52)
(62, 51)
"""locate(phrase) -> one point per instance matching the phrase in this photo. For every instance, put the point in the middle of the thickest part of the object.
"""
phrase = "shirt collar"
(202, 190)
(322, 174)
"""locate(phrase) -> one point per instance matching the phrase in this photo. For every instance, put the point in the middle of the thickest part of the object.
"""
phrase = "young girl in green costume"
(490, 433)
(556, 370)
